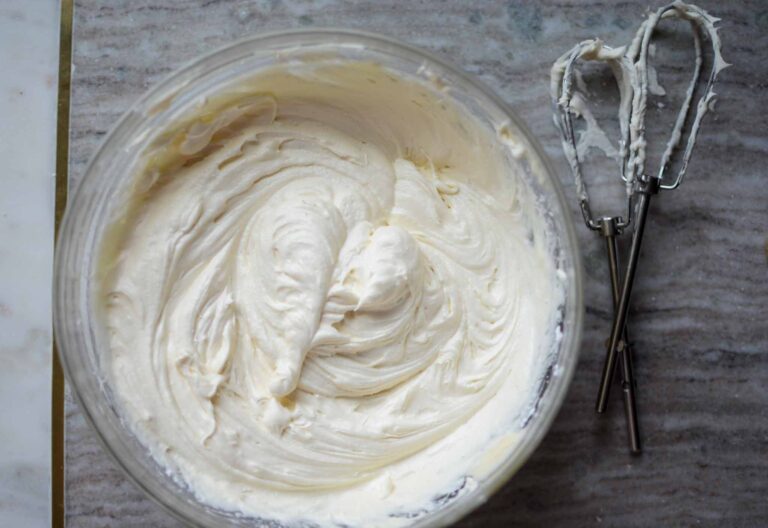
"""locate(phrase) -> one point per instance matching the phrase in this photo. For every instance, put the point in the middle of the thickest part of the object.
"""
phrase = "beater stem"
(645, 191)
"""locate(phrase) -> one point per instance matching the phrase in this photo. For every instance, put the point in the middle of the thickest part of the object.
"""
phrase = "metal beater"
(630, 69)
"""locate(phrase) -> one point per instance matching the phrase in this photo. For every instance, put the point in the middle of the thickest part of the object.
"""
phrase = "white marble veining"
(29, 31)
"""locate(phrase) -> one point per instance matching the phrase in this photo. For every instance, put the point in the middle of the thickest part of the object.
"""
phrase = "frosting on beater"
(635, 78)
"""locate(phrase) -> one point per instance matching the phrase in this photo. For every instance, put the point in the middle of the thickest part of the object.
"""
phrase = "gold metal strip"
(62, 183)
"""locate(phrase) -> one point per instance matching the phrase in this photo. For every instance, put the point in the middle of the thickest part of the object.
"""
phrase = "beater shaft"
(647, 190)
(609, 231)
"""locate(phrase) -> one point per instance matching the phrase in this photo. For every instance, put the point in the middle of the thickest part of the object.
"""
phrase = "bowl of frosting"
(319, 279)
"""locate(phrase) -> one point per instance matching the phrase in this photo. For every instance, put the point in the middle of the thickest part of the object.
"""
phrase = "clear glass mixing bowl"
(80, 335)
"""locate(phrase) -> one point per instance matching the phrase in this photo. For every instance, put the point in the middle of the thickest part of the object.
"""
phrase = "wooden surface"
(701, 298)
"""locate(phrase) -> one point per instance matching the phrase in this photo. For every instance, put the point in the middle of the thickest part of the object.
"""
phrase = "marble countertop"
(699, 310)
(29, 33)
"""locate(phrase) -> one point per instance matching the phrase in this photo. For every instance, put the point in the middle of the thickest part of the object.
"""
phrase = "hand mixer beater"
(629, 65)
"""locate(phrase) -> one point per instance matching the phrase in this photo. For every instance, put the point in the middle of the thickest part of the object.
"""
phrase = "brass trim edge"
(58, 518)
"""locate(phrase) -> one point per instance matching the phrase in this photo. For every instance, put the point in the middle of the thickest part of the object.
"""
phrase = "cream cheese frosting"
(328, 297)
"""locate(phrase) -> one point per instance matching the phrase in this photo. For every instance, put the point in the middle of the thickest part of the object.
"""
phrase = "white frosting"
(328, 297)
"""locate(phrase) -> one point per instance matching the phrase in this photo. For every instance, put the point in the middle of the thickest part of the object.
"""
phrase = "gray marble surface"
(699, 310)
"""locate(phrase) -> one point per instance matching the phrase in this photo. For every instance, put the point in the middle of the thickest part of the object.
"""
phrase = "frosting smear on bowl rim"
(329, 295)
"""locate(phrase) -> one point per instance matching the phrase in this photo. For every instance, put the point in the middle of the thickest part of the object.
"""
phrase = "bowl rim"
(570, 354)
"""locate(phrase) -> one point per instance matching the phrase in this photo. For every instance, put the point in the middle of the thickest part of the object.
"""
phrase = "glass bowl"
(80, 335)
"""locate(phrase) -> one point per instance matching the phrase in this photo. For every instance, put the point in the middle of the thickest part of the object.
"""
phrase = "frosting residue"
(636, 77)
